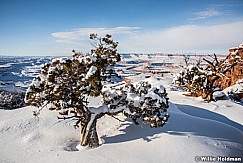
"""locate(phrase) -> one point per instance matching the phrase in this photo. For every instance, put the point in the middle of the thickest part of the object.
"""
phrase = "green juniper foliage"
(65, 85)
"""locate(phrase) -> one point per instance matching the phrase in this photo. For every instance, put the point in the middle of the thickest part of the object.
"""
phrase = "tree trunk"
(207, 96)
(93, 136)
(89, 135)
(84, 136)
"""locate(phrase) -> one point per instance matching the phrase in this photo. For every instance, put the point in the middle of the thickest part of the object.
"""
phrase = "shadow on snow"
(184, 120)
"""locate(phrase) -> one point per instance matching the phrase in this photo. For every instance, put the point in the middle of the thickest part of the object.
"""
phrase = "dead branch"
(186, 59)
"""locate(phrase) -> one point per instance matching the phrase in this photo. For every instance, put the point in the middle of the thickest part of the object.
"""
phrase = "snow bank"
(195, 128)
(47, 140)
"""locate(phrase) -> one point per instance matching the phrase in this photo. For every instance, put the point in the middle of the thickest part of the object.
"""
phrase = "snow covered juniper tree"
(66, 85)
(200, 80)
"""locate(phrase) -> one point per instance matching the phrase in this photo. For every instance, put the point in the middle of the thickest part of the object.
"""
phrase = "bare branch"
(115, 117)
(186, 59)
(228, 68)
(199, 61)
(208, 62)
(64, 118)
(216, 59)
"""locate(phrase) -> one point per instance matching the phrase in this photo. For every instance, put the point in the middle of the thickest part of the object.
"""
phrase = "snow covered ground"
(195, 128)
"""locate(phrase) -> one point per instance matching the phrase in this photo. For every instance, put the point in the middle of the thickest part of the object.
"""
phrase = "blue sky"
(55, 27)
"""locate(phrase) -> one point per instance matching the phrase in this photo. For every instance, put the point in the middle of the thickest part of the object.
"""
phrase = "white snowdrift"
(26, 139)
(195, 128)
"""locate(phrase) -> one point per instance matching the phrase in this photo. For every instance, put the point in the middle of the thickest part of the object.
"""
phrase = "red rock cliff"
(236, 72)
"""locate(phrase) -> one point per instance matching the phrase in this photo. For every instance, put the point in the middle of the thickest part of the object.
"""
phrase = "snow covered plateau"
(196, 129)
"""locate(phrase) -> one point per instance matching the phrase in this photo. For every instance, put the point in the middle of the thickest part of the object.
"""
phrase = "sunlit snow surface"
(195, 128)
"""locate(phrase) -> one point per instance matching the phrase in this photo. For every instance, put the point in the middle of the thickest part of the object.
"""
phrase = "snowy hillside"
(195, 128)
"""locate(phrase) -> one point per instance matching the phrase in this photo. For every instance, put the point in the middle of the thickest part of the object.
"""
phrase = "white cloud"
(83, 33)
(210, 12)
(188, 38)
